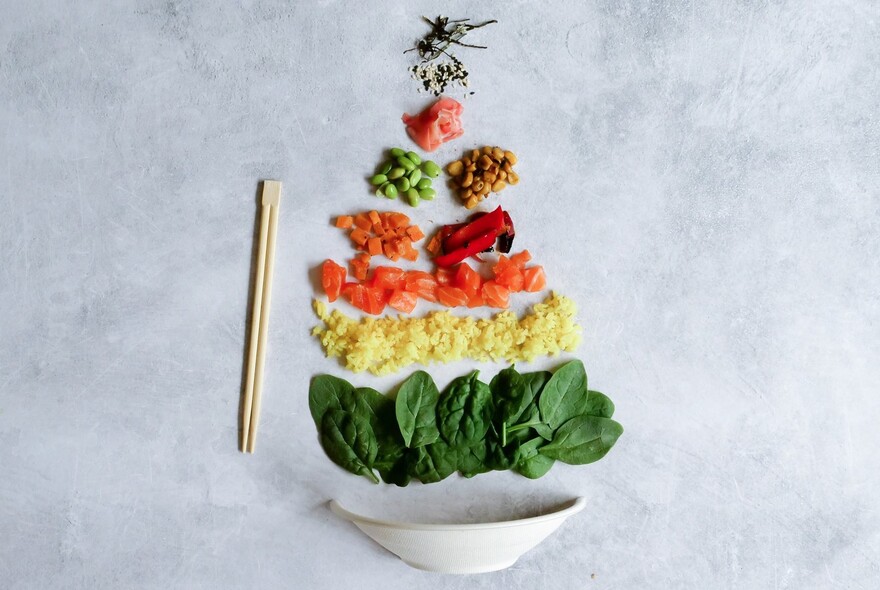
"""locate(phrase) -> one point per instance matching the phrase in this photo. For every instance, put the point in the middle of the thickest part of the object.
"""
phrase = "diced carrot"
(434, 245)
(444, 276)
(410, 254)
(520, 259)
(378, 230)
(496, 295)
(451, 296)
(534, 279)
(332, 278)
(467, 279)
(374, 246)
(398, 220)
(373, 216)
(362, 221)
(415, 233)
(389, 277)
(344, 221)
(404, 301)
(360, 266)
(359, 236)
(511, 277)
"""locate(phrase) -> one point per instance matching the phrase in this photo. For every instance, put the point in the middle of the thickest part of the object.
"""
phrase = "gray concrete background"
(703, 178)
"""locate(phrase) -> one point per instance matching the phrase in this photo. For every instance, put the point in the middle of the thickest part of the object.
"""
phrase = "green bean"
(415, 176)
(378, 180)
(423, 184)
(412, 197)
(428, 194)
(396, 173)
(406, 164)
(402, 184)
(397, 152)
(430, 168)
(384, 168)
(414, 158)
(391, 191)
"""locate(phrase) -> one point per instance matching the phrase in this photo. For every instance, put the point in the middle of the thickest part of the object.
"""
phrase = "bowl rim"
(574, 506)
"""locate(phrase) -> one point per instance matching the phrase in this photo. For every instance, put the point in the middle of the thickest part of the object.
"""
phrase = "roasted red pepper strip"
(448, 230)
(475, 246)
(493, 221)
(505, 240)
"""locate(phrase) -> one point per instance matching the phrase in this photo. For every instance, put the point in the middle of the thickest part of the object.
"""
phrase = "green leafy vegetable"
(434, 462)
(534, 467)
(598, 404)
(416, 410)
(525, 422)
(464, 411)
(329, 393)
(565, 395)
(509, 393)
(349, 441)
(583, 439)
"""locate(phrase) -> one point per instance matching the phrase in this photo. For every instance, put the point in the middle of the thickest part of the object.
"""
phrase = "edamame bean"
(414, 158)
(430, 168)
(391, 191)
(385, 167)
(379, 179)
(415, 176)
(412, 197)
(380, 192)
(397, 152)
(406, 164)
(427, 194)
(403, 184)
(395, 173)
(423, 184)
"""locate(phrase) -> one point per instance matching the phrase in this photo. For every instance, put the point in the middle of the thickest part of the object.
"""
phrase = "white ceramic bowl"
(461, 548)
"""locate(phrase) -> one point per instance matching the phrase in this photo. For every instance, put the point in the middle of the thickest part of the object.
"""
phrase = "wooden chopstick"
(260, 315)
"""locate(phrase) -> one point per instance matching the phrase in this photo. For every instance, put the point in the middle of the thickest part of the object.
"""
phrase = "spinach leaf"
(390, 457)
(349, 441)
(416, 410)
(583, 439)
(464, 411)
(432, 463)
(565, 395)
(509, 396)
(329, 393)
(535, 382)
(534, 467)
(598, 404)
(498, 457)
(528, 449)
(472, 460)
(393, 465)
(378, 409)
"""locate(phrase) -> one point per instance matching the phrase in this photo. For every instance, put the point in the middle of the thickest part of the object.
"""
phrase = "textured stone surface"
(703, 177)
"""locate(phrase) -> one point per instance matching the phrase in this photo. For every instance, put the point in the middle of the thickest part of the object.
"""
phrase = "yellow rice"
(386, 345)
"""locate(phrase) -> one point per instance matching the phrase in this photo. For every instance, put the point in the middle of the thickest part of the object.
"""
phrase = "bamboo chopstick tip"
(271, 192)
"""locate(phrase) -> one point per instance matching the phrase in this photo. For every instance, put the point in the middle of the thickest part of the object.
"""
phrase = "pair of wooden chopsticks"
(260, 315)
